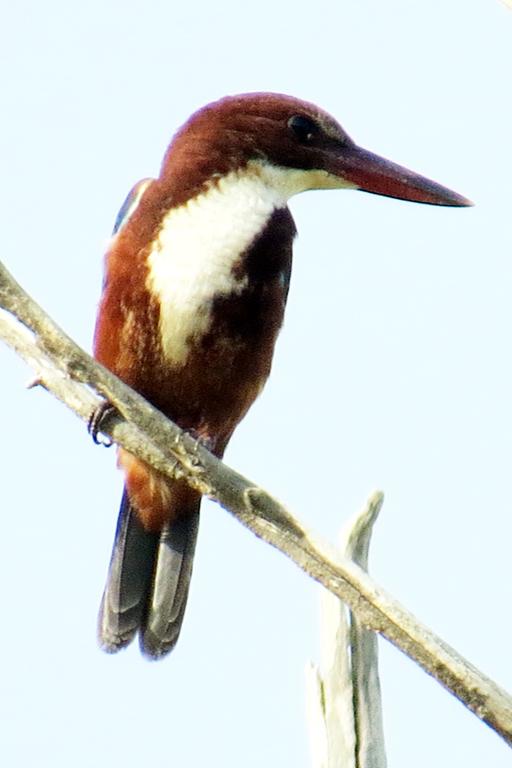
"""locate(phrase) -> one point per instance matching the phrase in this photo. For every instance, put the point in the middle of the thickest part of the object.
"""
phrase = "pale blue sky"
(393, 372)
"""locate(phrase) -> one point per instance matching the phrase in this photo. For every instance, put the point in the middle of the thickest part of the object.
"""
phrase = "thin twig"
(76, 379)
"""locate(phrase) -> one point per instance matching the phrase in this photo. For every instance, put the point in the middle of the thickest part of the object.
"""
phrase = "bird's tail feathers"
(169, 592)
(148, 581)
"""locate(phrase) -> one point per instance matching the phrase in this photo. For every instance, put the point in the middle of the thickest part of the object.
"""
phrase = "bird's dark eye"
(304, 128)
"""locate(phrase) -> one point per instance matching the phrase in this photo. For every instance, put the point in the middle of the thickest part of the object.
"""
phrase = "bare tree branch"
(343, 692)
(76, 379)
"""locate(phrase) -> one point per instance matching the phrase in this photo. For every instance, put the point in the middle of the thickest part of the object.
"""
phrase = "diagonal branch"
(78, 381)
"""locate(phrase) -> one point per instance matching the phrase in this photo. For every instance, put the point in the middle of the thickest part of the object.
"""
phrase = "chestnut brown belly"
(225, 369)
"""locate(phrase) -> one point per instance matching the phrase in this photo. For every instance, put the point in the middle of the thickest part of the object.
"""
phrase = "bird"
(195, 285)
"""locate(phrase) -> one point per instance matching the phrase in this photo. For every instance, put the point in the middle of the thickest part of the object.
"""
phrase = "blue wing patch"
(130, 204)
(284, 279)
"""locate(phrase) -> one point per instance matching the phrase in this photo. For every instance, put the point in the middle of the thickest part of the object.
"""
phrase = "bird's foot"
(200, 441)
(96, 419)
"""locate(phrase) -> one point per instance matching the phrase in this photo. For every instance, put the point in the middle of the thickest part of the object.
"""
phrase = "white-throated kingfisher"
(195, 287)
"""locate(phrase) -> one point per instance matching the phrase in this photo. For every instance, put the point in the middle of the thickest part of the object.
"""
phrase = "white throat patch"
(192, 259)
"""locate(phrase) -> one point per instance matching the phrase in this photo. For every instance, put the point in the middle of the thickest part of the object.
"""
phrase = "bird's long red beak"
(374, 174)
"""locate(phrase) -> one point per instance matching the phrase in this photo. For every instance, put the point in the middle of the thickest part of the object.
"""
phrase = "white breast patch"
(198, 244)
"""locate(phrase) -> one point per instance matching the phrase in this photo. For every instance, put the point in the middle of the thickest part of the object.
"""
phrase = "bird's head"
(296, 144)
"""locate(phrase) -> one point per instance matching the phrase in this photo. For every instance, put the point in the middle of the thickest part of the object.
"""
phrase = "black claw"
(103, 410)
